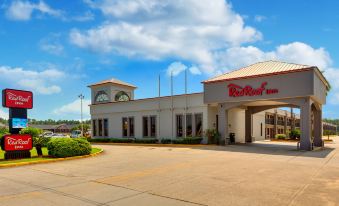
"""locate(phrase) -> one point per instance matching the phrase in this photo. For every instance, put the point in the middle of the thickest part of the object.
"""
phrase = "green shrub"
(295, 134)
(280, 136)
(104, 140)
(3, 131)
(68, 147)
(113, 140)
(187, 140)
(166, 141)
(121, 140)
(146, 141)
(34, 132)
(213, 136)
(41, 140)
(329, 132)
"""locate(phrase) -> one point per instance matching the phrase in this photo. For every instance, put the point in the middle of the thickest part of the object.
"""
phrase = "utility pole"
(82, 125)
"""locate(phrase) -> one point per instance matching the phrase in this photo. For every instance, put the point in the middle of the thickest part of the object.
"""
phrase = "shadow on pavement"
(270, 149)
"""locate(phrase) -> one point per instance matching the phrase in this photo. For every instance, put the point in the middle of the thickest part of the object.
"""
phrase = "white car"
(76, 134)
(57, 135)
(47, 134)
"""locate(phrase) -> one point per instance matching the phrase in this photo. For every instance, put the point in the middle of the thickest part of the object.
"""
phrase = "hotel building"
(243, 102)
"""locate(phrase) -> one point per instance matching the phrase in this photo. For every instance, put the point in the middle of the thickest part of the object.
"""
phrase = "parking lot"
(261, 173)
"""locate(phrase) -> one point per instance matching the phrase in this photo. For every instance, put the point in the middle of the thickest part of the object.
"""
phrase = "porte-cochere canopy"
(271, 84)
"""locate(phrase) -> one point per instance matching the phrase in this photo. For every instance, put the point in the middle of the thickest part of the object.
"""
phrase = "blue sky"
(57, 48)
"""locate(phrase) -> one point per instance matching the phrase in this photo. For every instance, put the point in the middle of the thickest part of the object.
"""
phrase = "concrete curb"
(49, 160)
(152, 145)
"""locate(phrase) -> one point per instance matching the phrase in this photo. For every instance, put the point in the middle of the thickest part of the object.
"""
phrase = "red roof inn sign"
(238, 91)
(15, 142)
(17, 99)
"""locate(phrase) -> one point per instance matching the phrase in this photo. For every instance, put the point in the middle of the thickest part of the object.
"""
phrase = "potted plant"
(212, 135)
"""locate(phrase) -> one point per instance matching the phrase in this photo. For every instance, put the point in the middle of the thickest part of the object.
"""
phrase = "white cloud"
(22, 10)
(52, 45)
(87, 16)
(52, 48)
(73, 109)
(176, 68)
(38, 81)
(259, 18)
(302, 53)
(3, 114)
(195, 70)
(332, 75)
(188, 30)
(295, 52)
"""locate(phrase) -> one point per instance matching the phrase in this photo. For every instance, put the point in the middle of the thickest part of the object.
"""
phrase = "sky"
(57, 48)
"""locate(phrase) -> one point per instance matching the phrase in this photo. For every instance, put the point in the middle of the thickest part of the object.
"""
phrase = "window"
(101, 96)
(217, 122)
(179, 124)
(106, 127)
(260, 129)
(153, 121)
(121, 96)
(94, 126)
(100, 127)
(145, 126)
(198, 125)
(149, 124)
(124, 127)
(189, 125)
(131, 126)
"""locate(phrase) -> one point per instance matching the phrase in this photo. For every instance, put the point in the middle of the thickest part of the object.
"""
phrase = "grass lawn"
(34, 156)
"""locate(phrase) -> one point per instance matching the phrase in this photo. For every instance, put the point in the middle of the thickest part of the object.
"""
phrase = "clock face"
(101, 97)
(121, 96)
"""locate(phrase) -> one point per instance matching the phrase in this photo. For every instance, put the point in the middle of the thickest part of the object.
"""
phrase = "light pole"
(82, 126)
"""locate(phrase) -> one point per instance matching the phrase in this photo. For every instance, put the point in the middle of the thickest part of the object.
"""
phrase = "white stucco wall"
(115, 111)
(258, 126)
(236, 125)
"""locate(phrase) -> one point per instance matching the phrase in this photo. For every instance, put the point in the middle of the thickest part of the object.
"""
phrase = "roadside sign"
(15, 142)
(12, 98)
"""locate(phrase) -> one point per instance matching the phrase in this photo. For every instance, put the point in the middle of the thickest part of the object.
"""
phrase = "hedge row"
(68, 147)
(113, 140)
(187, 140)
(125, 140)
(280, 136)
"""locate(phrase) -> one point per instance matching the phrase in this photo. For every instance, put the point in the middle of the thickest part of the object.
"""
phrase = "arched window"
(101, 96)
(121, 96)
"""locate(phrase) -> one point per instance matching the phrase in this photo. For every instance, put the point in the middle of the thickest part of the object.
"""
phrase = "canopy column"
(305, 126)
(318, 128)
(248, 125)
(223, 124)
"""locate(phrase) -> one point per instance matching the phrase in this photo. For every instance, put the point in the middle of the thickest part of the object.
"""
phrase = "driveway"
(261, 173)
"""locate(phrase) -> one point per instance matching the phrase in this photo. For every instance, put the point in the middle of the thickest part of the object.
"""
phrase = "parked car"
(47, 134)
(58, 135)
(76, 134)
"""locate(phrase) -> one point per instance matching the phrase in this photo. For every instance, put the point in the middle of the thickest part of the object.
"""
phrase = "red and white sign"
(15, 142)
(238, 91)
(12, 98)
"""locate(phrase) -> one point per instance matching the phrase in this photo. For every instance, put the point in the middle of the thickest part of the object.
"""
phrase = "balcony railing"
(269, 121)
(281, 122)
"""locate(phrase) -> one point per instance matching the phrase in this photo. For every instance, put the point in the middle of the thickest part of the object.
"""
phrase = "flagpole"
(185, 120)
(159, 106)
(172, 102)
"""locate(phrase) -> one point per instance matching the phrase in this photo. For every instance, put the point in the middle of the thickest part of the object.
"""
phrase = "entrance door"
(269, 133)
